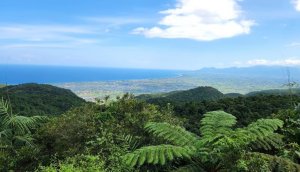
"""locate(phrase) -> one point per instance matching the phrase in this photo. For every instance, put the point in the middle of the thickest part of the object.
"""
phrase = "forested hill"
(40, 99)
(196, 94)
(209, 93)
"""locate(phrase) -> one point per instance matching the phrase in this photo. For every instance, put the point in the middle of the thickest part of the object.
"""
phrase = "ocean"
(18, 74)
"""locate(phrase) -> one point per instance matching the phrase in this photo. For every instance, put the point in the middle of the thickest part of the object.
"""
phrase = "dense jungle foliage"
(256, 133)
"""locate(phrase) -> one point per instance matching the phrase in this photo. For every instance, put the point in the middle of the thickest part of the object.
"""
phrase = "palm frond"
(173, 134)
(4, 107)
(23, 124)
(16, 129)
(156, 155)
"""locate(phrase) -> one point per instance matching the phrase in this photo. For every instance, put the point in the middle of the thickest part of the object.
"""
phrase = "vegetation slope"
(196, 94)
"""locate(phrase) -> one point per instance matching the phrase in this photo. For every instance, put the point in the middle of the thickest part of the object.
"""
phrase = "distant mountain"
(39, 99)
(280, 92)
(279, 72)
(196, 94)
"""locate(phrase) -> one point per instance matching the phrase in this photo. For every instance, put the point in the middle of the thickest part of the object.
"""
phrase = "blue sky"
(164, 34)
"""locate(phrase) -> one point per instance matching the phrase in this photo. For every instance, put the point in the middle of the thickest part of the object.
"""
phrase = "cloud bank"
(200, 20)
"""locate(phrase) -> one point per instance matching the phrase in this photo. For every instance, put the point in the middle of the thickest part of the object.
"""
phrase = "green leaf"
(156, 154)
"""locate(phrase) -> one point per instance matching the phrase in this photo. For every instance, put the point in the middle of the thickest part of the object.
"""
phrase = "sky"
(153, 34)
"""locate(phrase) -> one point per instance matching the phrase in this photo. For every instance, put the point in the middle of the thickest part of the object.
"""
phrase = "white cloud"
(42, 32)
(283, 62)
(202, 20)
(297, 4)
(293, 44)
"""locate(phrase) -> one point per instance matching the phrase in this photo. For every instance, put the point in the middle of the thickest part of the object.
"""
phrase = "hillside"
(196, 94)
(233, 95)
(210, 93)
(280, 92)
(40, 99)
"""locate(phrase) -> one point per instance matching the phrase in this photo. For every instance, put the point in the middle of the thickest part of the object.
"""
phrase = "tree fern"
(173, 134)
(219, 142)
(265, 126)
(261, 129)
(157, 155)
(267, 143)
(217, 123)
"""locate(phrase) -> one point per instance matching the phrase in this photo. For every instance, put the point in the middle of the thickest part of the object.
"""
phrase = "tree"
(291, 131)
(219, 146)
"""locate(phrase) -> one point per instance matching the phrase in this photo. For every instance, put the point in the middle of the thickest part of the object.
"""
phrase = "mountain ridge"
(206, 93)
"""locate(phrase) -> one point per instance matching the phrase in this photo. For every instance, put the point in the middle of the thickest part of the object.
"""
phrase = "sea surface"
(18, 74)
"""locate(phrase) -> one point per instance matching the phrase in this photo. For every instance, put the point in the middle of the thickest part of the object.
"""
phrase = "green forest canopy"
(99, 137)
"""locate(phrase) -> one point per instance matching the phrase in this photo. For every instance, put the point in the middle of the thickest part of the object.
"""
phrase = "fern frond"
(217, 123)
(260, 129)
(131, 142)
(173, 134)
(267, 143)
(156, 155)
(190, 168)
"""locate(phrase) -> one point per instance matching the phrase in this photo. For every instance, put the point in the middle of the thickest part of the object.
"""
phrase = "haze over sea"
(17, 74)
